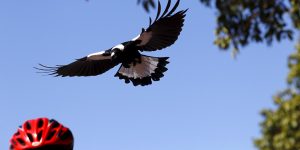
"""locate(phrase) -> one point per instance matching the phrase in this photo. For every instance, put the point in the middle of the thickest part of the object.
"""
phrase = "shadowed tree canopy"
(242, 22)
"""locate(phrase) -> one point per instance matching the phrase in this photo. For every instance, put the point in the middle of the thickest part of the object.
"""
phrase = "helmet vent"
(55, 124)
(21, 141)
(30, 137)
(40, 123)
(39, 136)
(27, 126)
(17, 133)
(50, 135)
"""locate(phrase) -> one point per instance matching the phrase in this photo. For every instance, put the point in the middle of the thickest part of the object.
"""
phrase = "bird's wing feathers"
(164, 31)
(161, 33)
(91, 65)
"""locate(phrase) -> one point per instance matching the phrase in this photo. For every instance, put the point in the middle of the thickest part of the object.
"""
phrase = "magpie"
(135, 67)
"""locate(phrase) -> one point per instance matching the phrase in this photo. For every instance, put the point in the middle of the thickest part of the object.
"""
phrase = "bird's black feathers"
(165, 29)
(135, 67)
(80, 67)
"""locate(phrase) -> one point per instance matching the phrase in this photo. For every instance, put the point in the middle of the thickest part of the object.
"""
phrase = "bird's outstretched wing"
(91, 65)
(164, 31)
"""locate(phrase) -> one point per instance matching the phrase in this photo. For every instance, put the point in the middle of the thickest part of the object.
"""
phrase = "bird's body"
(126, 53)
(135, 67)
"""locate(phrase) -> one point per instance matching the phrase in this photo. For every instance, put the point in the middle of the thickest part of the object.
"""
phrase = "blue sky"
(207, 100)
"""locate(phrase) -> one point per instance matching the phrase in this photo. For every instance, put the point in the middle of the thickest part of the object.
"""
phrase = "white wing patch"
(120, 46)
(137, 37)
(98, 56)
(144, 37)
(144, 69)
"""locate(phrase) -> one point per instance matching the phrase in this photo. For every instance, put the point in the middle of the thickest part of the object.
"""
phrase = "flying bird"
(135, 67)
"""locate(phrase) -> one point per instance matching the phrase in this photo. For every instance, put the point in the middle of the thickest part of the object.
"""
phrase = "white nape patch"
(97, 56)
(144, 37)
(144, 69)
(120, 47)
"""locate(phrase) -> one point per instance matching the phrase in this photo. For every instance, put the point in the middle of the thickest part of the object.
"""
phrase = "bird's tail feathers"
(150, 68)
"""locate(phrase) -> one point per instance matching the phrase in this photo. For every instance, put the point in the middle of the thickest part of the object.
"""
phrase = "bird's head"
(117, 49)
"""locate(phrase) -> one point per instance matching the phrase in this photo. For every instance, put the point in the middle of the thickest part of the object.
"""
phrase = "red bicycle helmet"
(42, 134)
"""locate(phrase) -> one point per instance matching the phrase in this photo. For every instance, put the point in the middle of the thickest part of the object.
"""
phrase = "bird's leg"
(126, 65)
(138, 60)
(138, 57)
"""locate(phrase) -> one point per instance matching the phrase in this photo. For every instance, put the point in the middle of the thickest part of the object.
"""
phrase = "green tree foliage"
(281, 127)
(240, 22)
